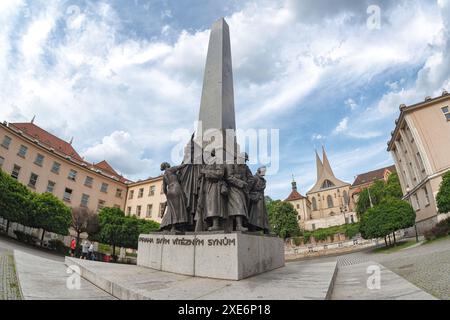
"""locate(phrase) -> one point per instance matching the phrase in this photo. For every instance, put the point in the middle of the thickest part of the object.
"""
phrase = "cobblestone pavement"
(9, 285)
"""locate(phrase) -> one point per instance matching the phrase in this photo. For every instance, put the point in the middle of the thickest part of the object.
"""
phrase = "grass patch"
(399, 246)
(436, 240)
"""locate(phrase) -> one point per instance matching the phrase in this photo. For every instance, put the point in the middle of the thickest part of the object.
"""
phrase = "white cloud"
(342, 126)
(351, 104)
(122, 151)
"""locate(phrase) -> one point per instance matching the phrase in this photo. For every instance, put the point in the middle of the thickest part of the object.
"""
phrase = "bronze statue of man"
(258, 218)
(176, 216)
(238, 177)
(212, 208)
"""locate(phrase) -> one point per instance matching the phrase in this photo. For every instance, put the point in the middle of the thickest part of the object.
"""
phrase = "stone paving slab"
(351, 284)
(295, 281)
(45, 279)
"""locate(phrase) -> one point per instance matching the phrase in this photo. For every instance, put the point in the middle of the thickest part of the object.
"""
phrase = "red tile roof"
(294, 196)
(47, 139)
(104, 166)
(51, 141)
(371, 176)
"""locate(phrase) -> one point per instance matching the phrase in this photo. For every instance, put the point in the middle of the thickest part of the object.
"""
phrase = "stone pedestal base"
(230, 256)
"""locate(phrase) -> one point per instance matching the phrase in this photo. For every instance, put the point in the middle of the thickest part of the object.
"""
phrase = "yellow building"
(46, 163)
(419, 145)
(146, 199)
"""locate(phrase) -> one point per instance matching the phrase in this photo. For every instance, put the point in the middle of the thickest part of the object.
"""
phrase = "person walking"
(84, 250)
(91, 252)
(73, 246)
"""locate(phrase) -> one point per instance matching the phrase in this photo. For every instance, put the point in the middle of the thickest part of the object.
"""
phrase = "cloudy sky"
(122, 76)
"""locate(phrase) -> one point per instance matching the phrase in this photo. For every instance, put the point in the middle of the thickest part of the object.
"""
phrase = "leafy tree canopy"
(283, 219)
(443, 196)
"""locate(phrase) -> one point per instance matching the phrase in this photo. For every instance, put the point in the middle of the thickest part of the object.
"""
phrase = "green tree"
(378, 191)
(387, 217)
(15, 201)
(283, 219)
(84, 220)
(51, 214)
(111, 221)
(443, 196)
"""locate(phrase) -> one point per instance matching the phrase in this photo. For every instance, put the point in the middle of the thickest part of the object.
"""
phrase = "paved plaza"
(418, 272)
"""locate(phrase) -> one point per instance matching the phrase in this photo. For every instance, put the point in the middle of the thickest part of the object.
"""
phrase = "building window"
(39, 160)
(330, 201)
(131, 195)
(118, 193)
(416, 198)
(72, 175)
(446, 112)
(6, 142)
(50, 186)
(162, 189)
(101, 205)
(33, 180)
(117, 206)
(151, 191)
(298, 206)
(327, 184)
(15, 172)
(22, 151)
(89, 181)
(346, 199)
(313, 226)
(56, 167)
(314, 204)
(149, 210)
(141, 193)
(427, 196)
(84, 200)
(104, 187)
(138, 211)
(352, 218)
(2, 160)
(67, 194)
(128, 211)
(162, 208)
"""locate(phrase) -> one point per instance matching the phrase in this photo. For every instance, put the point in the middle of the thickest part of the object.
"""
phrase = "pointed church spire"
(71, 140)
(32, 120)
(319, 166)
(326, 163)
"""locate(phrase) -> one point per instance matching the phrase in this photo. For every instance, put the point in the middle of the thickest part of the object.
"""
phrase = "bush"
(58, 246)
(298, 240)
(438, 231)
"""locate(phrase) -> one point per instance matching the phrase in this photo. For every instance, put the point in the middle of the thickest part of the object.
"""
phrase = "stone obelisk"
(217, 102)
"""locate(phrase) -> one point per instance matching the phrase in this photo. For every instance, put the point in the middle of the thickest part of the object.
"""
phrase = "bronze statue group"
(214, 197)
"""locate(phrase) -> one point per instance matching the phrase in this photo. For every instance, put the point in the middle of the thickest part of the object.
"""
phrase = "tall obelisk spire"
(217, 104)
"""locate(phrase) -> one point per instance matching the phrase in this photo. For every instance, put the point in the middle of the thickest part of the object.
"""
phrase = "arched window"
(330, 201)
(327, 184)
(314, 204)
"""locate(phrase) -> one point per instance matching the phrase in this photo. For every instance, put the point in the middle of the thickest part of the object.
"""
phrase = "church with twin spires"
(327, 203)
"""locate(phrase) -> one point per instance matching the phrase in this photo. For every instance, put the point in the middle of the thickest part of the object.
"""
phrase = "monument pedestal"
(230, 256)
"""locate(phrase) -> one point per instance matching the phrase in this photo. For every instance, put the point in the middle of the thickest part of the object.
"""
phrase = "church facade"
(327, 203)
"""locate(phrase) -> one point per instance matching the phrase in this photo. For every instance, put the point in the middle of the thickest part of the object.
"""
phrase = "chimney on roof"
(294, 184)
(32, 120)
